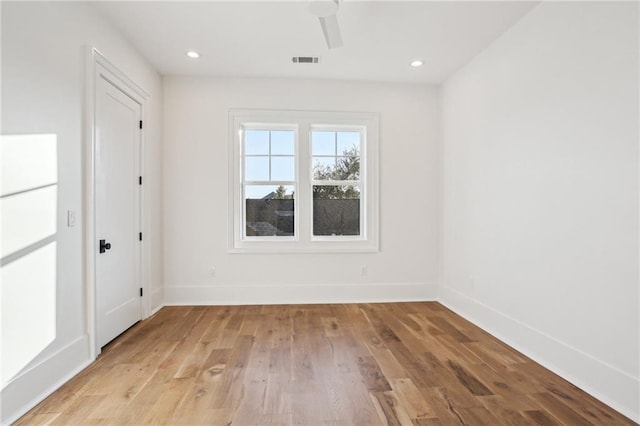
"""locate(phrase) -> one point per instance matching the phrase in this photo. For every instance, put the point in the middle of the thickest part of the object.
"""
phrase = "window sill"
(315, 247)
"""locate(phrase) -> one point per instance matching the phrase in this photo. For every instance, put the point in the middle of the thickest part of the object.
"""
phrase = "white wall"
(196, 199)
(540, 193)
(42, 92)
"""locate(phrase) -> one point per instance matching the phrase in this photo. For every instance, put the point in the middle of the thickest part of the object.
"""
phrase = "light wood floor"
(369, 364)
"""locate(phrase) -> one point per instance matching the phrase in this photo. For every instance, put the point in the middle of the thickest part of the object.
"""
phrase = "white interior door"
(117, 210)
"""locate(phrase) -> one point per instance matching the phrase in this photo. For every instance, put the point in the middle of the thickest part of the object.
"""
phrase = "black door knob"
(104, 246)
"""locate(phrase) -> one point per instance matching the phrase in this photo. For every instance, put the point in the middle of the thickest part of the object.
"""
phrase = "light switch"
(71, 218)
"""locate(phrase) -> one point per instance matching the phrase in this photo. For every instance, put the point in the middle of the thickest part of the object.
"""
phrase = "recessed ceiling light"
(417, 63)
(193, 54)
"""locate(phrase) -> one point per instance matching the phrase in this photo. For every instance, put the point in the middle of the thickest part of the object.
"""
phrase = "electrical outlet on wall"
(364, 271)
(472, 283)
(212, 271)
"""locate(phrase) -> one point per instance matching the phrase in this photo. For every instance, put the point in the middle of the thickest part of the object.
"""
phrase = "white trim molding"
(37, 382)
(299, 294)
(96, 65)
(302, 123)
(157, 300)
(614, 387)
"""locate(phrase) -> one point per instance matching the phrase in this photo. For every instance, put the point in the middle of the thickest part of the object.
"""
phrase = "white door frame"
(96, 65)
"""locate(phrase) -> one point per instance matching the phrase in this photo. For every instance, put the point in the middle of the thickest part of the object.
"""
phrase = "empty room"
(320, 212)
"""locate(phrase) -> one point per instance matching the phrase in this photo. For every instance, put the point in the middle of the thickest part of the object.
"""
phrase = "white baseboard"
(36, 383)
(299, 294)
(157, 300)
(603, 381)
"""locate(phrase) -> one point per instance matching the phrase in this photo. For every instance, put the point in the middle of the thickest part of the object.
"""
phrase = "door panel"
(118, 138)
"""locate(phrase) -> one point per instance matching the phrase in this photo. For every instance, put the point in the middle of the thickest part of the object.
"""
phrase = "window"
(268, 181)
(303, 181)
(336, 182)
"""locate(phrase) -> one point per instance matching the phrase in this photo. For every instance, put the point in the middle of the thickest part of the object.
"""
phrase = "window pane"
(336, 210)
(256, 168)
(347, 168)
(282, 142)
(283, 168)
(256, 142)
(323, 143)
(269, 210)
(336, 168)
(348, 143)
(323, 167)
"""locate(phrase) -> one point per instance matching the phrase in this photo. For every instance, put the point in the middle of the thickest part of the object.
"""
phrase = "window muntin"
(269, 182)
(354, 193)
(336, 154)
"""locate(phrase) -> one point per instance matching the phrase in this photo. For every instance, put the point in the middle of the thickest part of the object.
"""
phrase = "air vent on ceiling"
(305, 60)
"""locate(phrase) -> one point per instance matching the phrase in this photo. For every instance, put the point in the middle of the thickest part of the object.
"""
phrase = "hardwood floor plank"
(173, 391)
(457, 352)
(505, 411)
(412, 400)
(354, 364)
(251, 404)
(193, 362)
(448, 329)
(144, 401)
(331, 327)
(493, 355)
(478, 416)
(250, 324)
(559, 410)
(43, 419)
(446, 404)
(214, 366)
(278, 396)
(502, 382)
(185, 325)
(443, 378)
(77, 412)
(351, 400)
(394, 414)
(541, 418)
(201, 327)
(469, 381)
(427, 422)
(374, 380)
(229, 391)
(388, 363)
(310, 404)
(589, 408)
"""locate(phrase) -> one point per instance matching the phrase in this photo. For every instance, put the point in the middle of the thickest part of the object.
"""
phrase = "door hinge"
(139, 180)
(140, 291)
(141, 124)
(140, 236)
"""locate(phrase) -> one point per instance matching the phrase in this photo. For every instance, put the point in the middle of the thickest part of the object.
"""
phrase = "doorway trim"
(96, 64)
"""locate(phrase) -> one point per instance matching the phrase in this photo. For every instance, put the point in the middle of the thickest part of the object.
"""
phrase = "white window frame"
(269, 127)
(360, 182)
(304, 122)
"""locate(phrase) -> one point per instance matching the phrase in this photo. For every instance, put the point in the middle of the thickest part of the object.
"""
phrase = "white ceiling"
(258, 39)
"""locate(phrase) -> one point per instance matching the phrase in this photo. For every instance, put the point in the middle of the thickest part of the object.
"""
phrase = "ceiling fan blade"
(331, 31)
